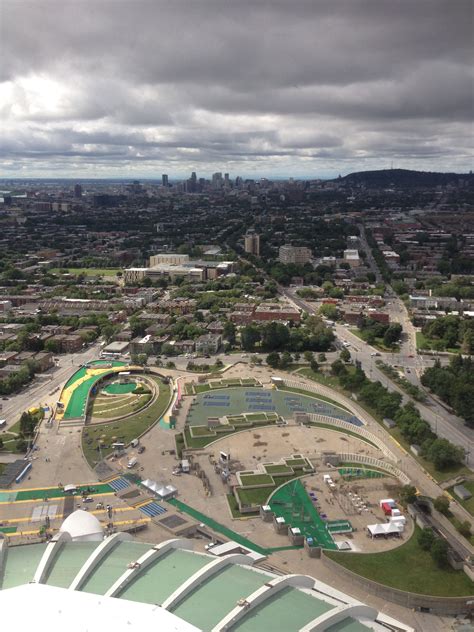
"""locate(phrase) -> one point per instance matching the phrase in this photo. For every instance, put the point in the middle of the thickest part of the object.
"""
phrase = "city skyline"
(307, 90)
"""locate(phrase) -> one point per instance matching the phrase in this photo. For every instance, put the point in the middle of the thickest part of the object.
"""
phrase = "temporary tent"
(387, 528)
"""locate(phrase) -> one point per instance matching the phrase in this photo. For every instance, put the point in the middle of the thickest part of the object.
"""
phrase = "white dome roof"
(81, 525)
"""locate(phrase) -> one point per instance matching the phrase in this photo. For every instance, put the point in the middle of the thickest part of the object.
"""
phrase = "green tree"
(249, 337)
(229, 332)
(274, 336)
(392, 335)
(464, 529)
(273, 359)
(345, 355)
(445, 454)
(439, 552)
(285, 360)
(426, 538)
(330, 311)
(441, 504)
(407, 495)
(314, 365)
(322, 357)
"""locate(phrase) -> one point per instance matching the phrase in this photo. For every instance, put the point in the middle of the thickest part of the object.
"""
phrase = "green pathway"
(52, 492)
(220, 528)
(76, 405)
(293, 503)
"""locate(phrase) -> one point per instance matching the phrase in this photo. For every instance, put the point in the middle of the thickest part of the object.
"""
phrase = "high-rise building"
(252, 243)
(294, 254)
(164, 180)
(217, 180)
(77, 191)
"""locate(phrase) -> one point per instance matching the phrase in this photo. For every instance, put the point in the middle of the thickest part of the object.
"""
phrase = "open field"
(423, 342)
(409, 568)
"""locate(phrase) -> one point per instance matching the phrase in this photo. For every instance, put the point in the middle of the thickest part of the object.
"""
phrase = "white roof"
(82, 525)
(385, 528)
(77, 611)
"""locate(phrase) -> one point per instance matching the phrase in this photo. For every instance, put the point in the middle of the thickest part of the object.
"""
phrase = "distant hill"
(403, 178)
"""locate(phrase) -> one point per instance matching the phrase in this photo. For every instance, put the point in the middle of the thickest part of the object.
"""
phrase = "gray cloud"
(307, 87)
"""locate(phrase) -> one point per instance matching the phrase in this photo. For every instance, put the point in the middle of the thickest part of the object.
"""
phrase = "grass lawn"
(255, 497)
(256, 416)
(201, 388)
(202, 431)
(117, 410)
(201, 442)
(256, 479)
(467, 504)
(88, 271)
(234, 507)
(321, 378)
(408, 568)
(309, 373)
(126, 429)
(278, 469)
(423, 342)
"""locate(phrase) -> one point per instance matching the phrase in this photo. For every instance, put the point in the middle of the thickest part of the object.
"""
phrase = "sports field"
(235, 401)
(293, 503)
(75, 392)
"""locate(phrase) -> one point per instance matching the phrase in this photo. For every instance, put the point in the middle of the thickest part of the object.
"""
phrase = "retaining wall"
(449, 606)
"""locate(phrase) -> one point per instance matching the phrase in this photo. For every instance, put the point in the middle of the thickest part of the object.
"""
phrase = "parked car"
(141, 449)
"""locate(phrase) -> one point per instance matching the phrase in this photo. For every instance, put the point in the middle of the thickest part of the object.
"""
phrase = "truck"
(185, 467)
(132, 463)
(134, 442)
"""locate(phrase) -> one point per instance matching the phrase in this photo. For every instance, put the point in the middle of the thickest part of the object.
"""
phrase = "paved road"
(45, 388)
(445, 424)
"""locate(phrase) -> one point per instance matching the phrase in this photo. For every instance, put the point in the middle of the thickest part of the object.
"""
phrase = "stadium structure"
(83, 581)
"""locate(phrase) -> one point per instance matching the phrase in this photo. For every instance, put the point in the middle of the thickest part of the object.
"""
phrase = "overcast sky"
(133, 88)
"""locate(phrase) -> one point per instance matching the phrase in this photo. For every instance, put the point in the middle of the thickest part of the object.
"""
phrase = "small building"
(462, 492)
(118, 347)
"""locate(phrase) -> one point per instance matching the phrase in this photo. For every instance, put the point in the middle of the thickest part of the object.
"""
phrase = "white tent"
(147, 483)
(386, 528)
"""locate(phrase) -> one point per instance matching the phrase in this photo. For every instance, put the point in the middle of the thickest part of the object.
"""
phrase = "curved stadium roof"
(123, 584)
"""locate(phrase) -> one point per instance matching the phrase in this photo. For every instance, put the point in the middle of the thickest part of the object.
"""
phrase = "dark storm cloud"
(285, 85)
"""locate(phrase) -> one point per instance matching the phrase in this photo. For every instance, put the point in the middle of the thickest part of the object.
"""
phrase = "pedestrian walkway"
(228, 533)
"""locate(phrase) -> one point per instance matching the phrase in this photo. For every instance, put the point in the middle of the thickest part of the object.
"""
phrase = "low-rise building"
(294, 254)
(276, 311)
(352, 258)
(208, 344)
